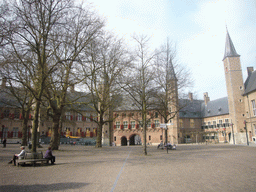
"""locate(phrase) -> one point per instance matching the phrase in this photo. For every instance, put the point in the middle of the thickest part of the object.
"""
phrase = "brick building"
(220, 120)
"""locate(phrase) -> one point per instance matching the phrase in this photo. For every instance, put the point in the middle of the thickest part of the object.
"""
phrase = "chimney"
(190, 96)
(249, 71)
(4, 80)
(206, 98)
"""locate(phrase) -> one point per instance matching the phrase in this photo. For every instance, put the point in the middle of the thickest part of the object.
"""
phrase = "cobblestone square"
(215, 167)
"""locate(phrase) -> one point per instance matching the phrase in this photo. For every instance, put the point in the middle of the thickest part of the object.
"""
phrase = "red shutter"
(114, 126)
(76, 118)
(21, 117)
(122, 126)
(91, 134)
(129, 126)
(137, 126)
(152, 125)
(82, 134)
(71, 117)
(91, 118)
(70, 133)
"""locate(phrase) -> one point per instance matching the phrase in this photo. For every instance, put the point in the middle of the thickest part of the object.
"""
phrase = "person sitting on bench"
(48, 155)
(16, 156)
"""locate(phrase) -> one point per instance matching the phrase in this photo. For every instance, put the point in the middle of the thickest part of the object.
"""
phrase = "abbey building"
(231, 119)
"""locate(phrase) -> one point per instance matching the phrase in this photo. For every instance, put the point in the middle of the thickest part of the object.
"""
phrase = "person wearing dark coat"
(48, 155)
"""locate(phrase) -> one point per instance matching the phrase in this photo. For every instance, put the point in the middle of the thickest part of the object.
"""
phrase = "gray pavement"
(220, 167)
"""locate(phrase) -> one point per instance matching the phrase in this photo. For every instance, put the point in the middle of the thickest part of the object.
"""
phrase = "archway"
(135, 140)
(123, 141)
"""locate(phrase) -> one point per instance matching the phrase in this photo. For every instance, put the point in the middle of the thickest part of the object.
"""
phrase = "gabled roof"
(215, 107)
(192, 109)
(250, 83)
(230, 50)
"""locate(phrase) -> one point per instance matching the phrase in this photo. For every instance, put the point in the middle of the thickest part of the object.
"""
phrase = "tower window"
(241, 87)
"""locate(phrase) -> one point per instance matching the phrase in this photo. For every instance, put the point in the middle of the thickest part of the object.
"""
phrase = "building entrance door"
(135, 140)
(123, 141)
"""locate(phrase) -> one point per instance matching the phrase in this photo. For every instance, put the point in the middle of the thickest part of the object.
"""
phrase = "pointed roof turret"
(230, 50)
(172, 75)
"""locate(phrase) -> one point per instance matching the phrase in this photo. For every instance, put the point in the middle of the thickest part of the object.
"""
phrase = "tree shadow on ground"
(43, 187)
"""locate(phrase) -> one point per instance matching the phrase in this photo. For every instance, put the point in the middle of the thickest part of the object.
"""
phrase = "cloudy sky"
(197, 27)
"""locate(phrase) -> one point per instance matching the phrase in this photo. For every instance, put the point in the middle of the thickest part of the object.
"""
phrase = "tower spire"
(230, 50)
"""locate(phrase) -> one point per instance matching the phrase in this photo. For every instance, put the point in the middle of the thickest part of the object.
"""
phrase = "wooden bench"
(32, 158)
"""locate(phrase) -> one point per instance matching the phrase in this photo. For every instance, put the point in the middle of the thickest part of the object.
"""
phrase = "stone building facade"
(220, 120)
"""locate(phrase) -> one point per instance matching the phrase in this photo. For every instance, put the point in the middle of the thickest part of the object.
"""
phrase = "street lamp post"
(233, 134)
(245, 127)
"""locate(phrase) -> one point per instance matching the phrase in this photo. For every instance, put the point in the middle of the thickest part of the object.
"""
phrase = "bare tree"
(171, 80)
(29, 46)
(140, 85)
(106, 61)
(81, 27)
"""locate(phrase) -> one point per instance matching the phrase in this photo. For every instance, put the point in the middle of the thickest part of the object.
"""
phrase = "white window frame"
(253, 107)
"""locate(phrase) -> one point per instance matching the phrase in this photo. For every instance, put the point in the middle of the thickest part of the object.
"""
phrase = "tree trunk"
(35, 126)
(55, 133)
(110, 125)
(24, 132)
(99, 137)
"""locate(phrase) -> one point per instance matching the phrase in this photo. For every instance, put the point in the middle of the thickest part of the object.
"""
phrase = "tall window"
(157, 123)
(133, 124)
(156, 114)
(220, 123)
(15, 131)
(214, 124)
(79, 117)
(226, 122)
(140, 123)
(125, 124)
(180, 123)
(68, 116)
(192, 123)
(118, 124)
(253, 108)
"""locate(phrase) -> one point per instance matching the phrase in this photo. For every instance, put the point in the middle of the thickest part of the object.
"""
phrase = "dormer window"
(219, 109)
(209, 111)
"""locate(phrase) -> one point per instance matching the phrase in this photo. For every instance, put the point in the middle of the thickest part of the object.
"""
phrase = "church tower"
(235, 88)
(173, 103)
